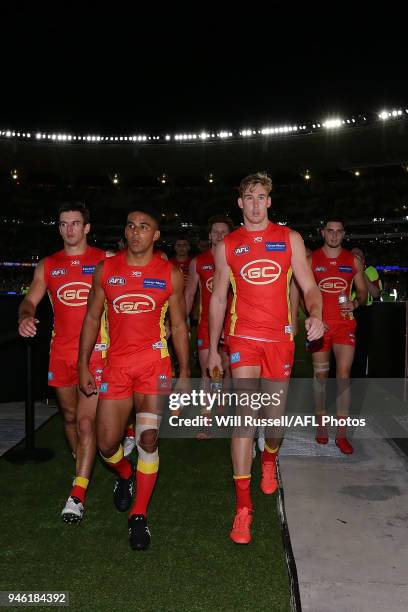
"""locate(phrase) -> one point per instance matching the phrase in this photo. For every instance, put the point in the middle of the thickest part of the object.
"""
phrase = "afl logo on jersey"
(333, 284)
(261, 272)
(242, 249)
(116, 280)
(74, 294)
(209, 284)
(58, 272)
(133, 303)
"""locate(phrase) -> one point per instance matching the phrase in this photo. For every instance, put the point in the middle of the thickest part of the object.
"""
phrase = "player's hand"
(86, 382)
(28, 327)
(214, 361)
(314, 328)
(347, 307)
(183, 384)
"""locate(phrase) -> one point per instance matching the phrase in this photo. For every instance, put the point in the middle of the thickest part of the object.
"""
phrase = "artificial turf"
(191, 565)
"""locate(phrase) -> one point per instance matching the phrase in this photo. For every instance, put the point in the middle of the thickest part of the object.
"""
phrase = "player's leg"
(149, 398)
(111, 419)
(68, 401)
(277, 362)
(85, 457)
(344, 359)
(205, 386)
(246, 382)
(148, 417)
(321, 367)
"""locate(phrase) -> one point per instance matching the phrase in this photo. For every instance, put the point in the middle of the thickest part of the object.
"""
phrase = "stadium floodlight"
(210, 177)
(115, 179)
(383, 115)
(163, 178)
(168, 137)
(307, 176)
(14, 174)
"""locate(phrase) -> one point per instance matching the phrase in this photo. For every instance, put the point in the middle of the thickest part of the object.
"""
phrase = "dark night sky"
(115, 72)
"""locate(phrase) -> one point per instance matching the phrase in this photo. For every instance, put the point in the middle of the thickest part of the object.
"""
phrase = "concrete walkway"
(348, 523)
(12, 422)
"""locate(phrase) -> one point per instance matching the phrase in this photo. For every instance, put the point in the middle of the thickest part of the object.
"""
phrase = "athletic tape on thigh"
(145, 421)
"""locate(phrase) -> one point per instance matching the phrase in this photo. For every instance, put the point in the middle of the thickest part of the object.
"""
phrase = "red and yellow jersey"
(68, 279)
(205, 268)
(333, 276)
(260, 263)
(183, 265)
(137, 300)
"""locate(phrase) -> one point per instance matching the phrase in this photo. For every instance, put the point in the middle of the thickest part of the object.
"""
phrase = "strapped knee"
(147, 422)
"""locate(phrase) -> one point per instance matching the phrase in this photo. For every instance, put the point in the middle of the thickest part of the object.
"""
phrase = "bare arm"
(27, 323)
(218, 305)
(294, 298)
(191, 286)
(179, 332)
(360, 284)
(89, 332)
(311, 293)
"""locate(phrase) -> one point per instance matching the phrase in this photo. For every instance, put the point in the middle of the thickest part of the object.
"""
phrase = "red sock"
(267, 455)
(79, 488)
(78, 492)
(130, 432)
(123, 468)
(243, 492)
(144, 489)
(341, 430)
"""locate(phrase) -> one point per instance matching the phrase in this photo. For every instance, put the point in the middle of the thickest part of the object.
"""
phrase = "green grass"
(191, 565)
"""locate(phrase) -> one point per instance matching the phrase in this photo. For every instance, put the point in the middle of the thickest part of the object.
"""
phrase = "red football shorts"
(63, 373)
(339, 332)
(150, 378)
(275, 358)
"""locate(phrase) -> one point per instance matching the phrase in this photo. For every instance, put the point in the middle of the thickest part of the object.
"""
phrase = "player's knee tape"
(146, 421)
(323, 366)
(319, 384)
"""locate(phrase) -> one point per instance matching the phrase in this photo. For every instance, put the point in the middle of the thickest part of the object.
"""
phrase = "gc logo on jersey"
(333, 284)
(133, 303)
(74, 294)
(242, 249)
(209, 284)
(261, 272)
(116, 280)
